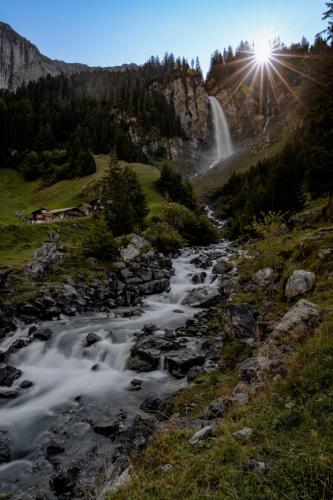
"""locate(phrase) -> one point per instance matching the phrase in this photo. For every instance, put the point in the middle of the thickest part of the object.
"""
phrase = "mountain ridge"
(21, 61)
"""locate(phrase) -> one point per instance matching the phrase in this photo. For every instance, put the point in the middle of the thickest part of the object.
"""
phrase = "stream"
(76, 387)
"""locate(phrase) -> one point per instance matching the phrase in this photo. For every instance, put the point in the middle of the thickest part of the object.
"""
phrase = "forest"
(50, 127)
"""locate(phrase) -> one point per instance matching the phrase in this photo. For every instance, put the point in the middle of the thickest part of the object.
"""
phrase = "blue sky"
(112, 32)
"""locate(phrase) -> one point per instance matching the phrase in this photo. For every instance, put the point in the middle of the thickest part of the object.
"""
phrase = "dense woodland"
(48, 127)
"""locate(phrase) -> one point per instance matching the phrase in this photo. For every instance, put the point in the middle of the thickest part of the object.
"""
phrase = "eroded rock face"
(299, 283)
(191, 106)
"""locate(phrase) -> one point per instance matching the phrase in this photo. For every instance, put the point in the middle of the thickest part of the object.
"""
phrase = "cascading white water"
(223, 142)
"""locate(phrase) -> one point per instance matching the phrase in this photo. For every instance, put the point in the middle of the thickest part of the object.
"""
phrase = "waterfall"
(223, 142)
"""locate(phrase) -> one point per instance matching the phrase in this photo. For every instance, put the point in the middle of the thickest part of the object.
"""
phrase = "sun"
(263, 51)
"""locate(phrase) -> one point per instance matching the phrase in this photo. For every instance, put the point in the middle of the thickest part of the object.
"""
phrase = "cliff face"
(21, 61)
(192, 108)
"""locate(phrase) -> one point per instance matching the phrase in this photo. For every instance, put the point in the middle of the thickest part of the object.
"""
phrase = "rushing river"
(75, 386)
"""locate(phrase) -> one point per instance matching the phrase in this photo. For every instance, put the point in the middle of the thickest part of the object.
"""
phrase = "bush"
(163, 237)
(195, 229)
(172, 185)
(100, 242)
(123, 199)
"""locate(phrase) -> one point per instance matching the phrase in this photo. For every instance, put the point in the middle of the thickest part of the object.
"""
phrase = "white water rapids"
(64, 374)
(222, 138)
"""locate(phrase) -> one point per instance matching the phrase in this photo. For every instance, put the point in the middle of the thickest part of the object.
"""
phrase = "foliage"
(164, 237)
(106, 106)
(172, 186)
(123, 199)
(100, 242)
(195, 229)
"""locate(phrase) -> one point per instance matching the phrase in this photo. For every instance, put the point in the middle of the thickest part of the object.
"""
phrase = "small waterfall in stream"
(223, 143)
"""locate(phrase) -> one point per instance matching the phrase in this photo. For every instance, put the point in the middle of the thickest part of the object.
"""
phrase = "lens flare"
(263, 51)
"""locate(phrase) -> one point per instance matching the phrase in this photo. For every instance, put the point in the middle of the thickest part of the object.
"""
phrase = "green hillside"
(18, 194)
(20, 239)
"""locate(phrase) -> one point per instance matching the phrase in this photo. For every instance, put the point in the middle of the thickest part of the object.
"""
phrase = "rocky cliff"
(189, 97)
(21, 61)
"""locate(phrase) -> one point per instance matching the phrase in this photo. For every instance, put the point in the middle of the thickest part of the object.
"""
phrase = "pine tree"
(329, 15)
(123, 199)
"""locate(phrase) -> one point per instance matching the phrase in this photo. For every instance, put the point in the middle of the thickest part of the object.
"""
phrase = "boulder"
(44, 257)
(204, 296)
(298, 322)
(4, 448)
(199, 278)
(92, 338)
(222, 266)
(135, 385)
(240, 320)
(8, 393)
(243, 433)
(179, 362)
(8, 374)
(201, 435)
(42, 333)
(299, 283)
(155, 286)
(136, 247)
(152, 405)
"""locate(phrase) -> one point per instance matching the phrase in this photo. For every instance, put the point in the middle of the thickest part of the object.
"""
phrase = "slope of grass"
(291, 419)
(19, 239)
(18, 194)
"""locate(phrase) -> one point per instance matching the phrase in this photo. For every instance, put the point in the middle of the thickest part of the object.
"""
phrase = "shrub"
(195, 229)
(163, 237)
(100, 242)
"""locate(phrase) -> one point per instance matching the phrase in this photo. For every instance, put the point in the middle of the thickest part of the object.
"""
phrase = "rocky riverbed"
(81, 389)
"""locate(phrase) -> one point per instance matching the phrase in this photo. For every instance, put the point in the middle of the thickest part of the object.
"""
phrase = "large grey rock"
(4, 448)
(222, 266)
(299, 283)
(8, 374)
(43, 258)
(299, 321)
(136, 247)
(179, 362)
(240, 320)
(155, 286)
(204, 296)
(201, 435)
